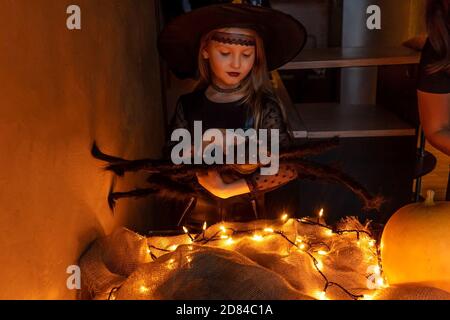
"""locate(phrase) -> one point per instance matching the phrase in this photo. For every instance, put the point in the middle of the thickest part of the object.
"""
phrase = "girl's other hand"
(213, 182)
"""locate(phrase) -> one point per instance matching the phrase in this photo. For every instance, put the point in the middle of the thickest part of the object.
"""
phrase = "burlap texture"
(247, 269)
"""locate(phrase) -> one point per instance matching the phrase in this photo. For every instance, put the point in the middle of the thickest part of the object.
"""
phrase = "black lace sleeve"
(272, 118)
(178, 121)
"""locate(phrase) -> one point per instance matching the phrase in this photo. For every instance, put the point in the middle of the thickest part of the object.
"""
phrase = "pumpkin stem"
(429, 201)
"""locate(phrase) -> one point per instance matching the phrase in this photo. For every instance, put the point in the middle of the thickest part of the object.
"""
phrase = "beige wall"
(60, 90)
(417, 23)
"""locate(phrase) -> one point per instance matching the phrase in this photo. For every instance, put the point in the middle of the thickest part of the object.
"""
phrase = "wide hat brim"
(284, 36)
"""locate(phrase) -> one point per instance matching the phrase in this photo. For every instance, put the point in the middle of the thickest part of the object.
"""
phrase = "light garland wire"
(201, 239)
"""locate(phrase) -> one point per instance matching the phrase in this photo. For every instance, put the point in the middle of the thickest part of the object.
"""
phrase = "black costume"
(438, 82)
(195, 106)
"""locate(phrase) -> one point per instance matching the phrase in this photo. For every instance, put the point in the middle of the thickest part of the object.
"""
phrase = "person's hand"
(213, 182)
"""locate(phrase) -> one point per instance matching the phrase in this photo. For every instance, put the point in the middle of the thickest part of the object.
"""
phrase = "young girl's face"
(230, 63)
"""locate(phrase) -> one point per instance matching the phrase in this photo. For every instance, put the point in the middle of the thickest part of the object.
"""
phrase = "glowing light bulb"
(377, 270)
(189, 259)
(284, 217)
(257, 237)
(224, 236)
(149, 251)
(321, 213)
(380, 282)
(298, 240)
(319, 265)
(372, 243)
(322, 252)
(222, 228)
(143, 289)
(185, 230)
(204, 226)
(269, 230)
(321, 295)
(329, 233)
(302, 246)
(229, 241)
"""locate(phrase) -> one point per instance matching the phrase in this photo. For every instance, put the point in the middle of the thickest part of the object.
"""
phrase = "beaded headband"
(234, 38)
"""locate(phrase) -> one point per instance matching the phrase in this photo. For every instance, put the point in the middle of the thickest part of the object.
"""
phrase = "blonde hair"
(257, 85)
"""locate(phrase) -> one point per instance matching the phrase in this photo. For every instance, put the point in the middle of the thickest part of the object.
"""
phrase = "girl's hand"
(212, 181)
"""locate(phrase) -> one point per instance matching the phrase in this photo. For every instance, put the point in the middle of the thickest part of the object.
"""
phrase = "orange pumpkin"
(415, 245)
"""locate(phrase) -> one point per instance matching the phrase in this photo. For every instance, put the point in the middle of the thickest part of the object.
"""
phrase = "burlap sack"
(267, 268)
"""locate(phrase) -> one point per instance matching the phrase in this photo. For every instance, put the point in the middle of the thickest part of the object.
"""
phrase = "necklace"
(221, 90)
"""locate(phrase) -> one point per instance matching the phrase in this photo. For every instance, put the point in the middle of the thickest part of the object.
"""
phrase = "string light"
(143, 289)
(284, 217)
(201, 238)
(321, 295)
(257, 237)
(319, 265)
(377, 270)
(321, 213)
(112, 293)
(187, 232)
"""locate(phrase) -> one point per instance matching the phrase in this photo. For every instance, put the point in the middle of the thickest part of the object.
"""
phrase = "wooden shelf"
(326, 120)
(352, 57)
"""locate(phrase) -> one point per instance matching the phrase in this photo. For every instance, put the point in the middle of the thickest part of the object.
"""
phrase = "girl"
(434, 78)
(231, 48)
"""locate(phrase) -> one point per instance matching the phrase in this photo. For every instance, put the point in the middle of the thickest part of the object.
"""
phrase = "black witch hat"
(284, 36)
